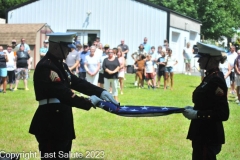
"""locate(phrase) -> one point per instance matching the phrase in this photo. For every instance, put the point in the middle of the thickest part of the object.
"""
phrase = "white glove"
(94, 99)
(108, 97)
(190, 113)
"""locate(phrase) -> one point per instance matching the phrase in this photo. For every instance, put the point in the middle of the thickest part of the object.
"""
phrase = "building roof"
(141, 1)
(9, 32)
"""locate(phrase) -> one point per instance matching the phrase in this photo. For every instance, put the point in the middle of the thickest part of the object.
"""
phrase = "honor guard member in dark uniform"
(210, 106)
(52, 123)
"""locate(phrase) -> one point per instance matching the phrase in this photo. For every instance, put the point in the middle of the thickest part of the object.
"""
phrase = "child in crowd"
(139, 66)
(170, 61)
(161, 68)
(149, 71)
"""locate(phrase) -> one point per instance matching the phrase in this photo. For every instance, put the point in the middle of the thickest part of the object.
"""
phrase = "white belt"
(49, 100)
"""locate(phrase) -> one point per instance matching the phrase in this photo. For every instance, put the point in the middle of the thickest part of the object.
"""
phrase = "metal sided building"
(112, 21)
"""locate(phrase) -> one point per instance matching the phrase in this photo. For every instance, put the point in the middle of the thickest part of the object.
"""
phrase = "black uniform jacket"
(52, 79)
(210, 99)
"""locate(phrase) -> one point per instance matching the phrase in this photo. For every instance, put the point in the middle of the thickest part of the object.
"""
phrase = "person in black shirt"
(161, 69)
(52, 123)
(111, 67)
(124, 48)
(22, 62)
(210, 106)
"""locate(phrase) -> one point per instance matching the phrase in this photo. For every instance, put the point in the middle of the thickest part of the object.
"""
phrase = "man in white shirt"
(187, 55)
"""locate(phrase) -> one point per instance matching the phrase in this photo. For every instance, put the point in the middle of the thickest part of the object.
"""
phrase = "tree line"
(218, 17)
(6, 4)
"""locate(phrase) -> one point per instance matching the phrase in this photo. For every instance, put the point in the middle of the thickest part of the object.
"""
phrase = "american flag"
(138, 111)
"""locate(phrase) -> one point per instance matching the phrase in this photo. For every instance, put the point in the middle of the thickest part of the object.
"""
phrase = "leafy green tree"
(218, 17)
(6, 4)
(185, 7)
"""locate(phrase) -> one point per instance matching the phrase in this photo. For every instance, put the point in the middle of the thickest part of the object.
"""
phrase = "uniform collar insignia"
(204, 84)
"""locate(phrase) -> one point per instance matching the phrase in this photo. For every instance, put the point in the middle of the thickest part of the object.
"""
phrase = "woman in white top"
(170, 62)
(187, 55)
(121, 60)
(92, 66)
(226, 69)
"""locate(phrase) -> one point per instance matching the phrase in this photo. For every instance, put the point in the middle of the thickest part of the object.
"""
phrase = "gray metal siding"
(116, 19)
(183, 23)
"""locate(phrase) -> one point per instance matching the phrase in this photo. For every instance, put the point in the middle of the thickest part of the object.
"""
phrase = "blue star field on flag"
(138, 111)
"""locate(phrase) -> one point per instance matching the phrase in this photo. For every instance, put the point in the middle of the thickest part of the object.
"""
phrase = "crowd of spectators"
(14, 65)
(98, 64)
(106, 67)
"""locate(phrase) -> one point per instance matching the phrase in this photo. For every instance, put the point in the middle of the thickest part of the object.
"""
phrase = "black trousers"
(54, 149)
(232, 76)
(205, 152)
(11, 76)
(82, 75)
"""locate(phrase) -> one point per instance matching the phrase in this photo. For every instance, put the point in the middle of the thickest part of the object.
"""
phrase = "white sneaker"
(185, 73)
(189, 74)
(237, 101)
(136, 83)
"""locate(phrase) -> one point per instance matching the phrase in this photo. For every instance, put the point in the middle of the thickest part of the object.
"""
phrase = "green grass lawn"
(120, 138)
